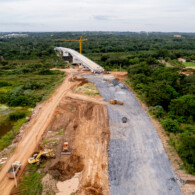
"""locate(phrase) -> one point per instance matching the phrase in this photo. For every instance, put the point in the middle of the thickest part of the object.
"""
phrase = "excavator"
(115, 101)
(37, 157)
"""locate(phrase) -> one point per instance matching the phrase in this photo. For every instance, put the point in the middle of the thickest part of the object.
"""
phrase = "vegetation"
(88, 89)
(60, 132)
(17, 115)
(192, 64)
(22, 85)
(9, 136)
(31, 183)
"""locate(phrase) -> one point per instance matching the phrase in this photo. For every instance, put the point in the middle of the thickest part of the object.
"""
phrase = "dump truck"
(13, 171)
(115, 101)
(37, 157)
(65, 149)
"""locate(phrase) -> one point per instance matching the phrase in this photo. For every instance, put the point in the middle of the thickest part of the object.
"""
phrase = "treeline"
(40, 45)
(171, 97)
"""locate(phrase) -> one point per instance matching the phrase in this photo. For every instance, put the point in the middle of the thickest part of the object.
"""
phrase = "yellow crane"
(80, 41)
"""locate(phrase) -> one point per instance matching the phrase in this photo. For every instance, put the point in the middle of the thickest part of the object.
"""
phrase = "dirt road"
(33, 135)
(138, 163)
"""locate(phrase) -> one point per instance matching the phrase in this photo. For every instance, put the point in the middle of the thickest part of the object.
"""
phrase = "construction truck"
(38, 156)
(115, 101)
(13, 171)
(65, 149)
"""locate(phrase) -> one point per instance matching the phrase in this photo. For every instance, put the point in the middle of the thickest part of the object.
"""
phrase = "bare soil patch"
(86, 129)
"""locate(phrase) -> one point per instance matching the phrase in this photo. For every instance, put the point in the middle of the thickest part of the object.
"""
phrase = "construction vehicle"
(115, 101)
(37, 157)
(80, 42)
(65, 149)
(13, 171)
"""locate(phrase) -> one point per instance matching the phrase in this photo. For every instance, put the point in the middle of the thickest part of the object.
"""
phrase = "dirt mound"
(81, 79)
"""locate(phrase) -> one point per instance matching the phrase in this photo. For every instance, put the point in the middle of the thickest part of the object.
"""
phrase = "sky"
(97, 15)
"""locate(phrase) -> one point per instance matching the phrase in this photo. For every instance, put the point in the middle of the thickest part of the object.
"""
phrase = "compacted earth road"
(138, 164)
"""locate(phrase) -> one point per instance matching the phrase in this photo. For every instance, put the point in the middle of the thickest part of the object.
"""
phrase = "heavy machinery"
(115, 101)
(65, 149)
(13, 171)
(37, 157)
(80, 41)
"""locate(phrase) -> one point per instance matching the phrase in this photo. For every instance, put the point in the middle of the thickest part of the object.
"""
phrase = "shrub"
(183, 106)
(45, 72)
(186, 150)
(170, 125)
(4, 83)
(16, 115)
(158, 111)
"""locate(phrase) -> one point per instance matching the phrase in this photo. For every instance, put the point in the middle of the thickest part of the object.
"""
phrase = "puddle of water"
(4, 128)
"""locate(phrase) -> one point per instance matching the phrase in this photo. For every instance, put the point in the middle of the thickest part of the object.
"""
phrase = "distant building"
(181, 59)
(14, 35)
(177, 36)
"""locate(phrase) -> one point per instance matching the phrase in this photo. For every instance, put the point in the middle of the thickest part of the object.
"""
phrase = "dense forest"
(151, 59)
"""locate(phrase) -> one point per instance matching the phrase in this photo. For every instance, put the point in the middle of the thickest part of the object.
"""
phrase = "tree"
(183, 106)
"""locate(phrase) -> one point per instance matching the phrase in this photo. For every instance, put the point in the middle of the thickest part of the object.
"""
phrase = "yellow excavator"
(115, 101)
(37, 157)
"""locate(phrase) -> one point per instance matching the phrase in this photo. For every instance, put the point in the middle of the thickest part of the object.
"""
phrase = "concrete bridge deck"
(80, 59)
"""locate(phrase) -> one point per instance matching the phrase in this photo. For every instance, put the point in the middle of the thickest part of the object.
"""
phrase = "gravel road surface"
(138, 164)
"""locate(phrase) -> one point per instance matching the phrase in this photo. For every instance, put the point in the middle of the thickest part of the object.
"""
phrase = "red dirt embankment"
(85, 125)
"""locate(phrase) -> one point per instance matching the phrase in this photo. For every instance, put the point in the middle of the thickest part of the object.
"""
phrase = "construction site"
(93, 137)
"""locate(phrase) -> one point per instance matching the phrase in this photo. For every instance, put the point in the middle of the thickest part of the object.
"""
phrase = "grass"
(61, 132)
(73, 109)
(88, 89)
(54, 141)
(31, 183)
(189, 64)
(13, 149)
(6, 140)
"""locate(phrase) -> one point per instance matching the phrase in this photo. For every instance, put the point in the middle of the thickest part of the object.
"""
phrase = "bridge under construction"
(80, 59)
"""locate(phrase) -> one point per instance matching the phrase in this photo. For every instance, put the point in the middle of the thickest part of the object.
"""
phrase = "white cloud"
(123, 15)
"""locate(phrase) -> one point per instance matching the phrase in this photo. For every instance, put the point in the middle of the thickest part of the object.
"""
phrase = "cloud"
(102, 17)
(79, 15)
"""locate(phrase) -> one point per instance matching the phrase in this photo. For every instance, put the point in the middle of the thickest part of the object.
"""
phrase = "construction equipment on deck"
(37, 157)
(116, 102)
(80, 41)
(65, 149)
(13, 171)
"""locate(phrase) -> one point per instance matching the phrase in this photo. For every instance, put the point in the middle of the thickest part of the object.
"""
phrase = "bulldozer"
(115, 101)
(65, 149)
(38, 156)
